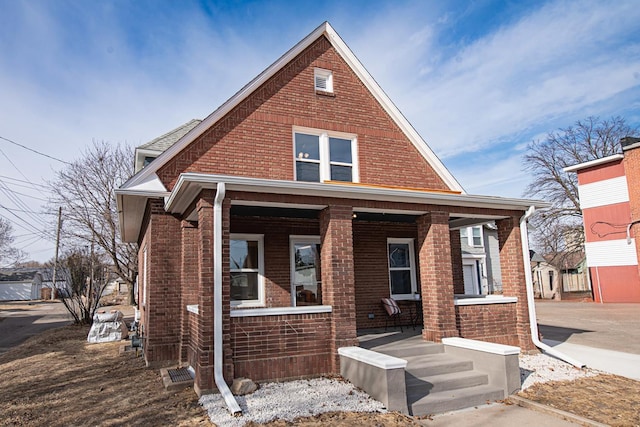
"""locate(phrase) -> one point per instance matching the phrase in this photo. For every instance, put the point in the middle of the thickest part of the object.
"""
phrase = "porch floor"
(376, 337)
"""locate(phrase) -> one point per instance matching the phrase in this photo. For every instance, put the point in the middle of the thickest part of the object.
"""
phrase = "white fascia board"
(190, 184)
(357, 68)
(593, 163)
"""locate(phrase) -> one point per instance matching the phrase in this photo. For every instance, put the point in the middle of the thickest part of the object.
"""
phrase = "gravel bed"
(291, 400)
(294, 399)
(540, 368)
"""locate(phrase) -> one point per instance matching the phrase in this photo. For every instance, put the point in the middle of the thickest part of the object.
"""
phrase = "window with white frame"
(402, 268)
(306, 284)
(324, 156)
(472, 236)
(323, 80)
(246, 263)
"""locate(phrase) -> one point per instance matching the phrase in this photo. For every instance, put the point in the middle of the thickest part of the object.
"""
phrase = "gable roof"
(143, 178)
(163, 142)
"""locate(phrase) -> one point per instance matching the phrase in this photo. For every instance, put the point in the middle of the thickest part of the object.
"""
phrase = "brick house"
(610, 202)
(270, 231)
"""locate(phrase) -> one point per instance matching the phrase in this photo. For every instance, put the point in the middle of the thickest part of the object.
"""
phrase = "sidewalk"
(613, 362)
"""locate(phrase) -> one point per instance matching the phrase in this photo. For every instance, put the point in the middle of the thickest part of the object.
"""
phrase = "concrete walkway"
(610, 361)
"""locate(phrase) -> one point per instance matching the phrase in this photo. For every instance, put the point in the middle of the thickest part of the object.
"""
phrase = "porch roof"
(132, 200)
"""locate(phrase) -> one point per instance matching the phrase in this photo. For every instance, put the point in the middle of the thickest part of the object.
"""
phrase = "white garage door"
(17, 292)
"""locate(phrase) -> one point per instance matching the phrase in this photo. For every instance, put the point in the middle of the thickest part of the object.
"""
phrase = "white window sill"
(280, 311)
(483, 299)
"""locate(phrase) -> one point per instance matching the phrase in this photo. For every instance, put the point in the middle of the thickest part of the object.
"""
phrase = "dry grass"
(608, 399)
(58, 379)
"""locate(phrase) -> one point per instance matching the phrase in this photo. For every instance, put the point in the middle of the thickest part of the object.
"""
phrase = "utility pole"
(55, 262)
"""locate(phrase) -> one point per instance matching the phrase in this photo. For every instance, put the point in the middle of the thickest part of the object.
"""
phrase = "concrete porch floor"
(370, 338)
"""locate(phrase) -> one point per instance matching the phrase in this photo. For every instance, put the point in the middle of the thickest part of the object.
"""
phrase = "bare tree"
(85, 275)
(559, 229)
(86, 191)
(8, 253)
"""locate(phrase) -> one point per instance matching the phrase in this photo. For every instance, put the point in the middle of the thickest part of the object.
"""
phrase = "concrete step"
(451, 400)
(444, 382)
(436, 364)
(409, 349)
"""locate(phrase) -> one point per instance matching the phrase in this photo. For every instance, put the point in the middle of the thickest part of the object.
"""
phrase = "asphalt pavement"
(20, 320)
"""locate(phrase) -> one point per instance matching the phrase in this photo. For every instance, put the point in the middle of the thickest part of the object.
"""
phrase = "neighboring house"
(560, 276)
(152, 149)
(24, 284)
(609, 191)
(269, 233)
(481, 260)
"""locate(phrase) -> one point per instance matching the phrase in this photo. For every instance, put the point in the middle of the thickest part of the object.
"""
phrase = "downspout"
(533, 322)
(233, 406)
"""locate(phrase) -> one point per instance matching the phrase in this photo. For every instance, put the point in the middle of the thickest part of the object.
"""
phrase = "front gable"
(254, 137)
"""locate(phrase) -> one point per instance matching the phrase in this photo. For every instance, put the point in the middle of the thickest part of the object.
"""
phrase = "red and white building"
(609, 190)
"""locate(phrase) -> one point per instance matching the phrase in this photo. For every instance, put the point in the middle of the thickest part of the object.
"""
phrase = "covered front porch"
(305, 266)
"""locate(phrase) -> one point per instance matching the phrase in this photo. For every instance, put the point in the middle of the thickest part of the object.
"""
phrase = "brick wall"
(189, 291)
(488, 322)
(513, 279)
(163, 322)
(255, 138)
(371, 268)
(632, 171)
(281, 347)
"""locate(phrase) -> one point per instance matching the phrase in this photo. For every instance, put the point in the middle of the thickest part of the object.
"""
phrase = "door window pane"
(306, 273)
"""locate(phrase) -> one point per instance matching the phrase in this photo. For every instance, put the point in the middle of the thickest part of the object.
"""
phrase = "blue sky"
(478, 80)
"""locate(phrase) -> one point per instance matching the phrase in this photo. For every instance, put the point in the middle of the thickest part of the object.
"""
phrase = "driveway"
(20, 320)
(606, 326)
(602, 336)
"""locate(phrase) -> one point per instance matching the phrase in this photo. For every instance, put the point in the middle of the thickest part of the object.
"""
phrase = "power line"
(20, 172)
(34, 151)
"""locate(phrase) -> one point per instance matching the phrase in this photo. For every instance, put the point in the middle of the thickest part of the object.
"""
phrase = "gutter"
(230, 400)
(533, 322)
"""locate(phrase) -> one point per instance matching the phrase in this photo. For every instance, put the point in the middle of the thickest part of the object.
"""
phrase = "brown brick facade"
(493, 323)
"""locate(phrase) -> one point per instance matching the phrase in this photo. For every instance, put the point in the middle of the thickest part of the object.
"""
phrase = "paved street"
(606, 326)
(20, 320)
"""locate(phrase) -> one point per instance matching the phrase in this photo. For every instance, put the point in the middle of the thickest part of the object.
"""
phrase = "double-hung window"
(402, 268)
(323, 156)
(246, 262)
(472, 236)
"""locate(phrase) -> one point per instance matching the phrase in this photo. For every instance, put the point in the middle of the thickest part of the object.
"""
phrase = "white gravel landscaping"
(294, 399)
(290, 400)
(540, 368)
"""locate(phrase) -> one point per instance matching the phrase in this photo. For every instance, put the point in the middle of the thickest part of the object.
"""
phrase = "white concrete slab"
(613, 362)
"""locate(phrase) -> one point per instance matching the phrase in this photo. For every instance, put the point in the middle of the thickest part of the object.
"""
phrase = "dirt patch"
(608, 399)
(344, 419)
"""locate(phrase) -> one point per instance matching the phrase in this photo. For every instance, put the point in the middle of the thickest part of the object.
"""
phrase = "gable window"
(402, 271)
(246, 263)
(306, 285)
(323, 80)
(323, 156)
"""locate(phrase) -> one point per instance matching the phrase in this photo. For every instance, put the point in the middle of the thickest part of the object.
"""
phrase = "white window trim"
(412, 267)
(327, 75)
(325, 160)
(144, 276)
(293, 239)
(260, 301)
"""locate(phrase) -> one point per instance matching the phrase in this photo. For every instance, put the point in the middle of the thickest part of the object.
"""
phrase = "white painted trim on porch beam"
(481, 300)
(282, 311)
